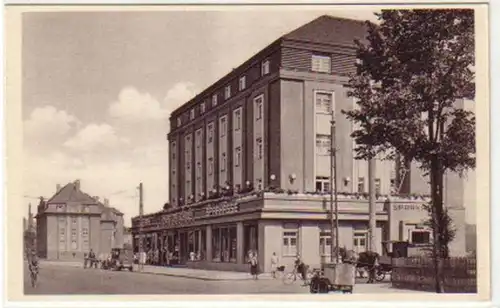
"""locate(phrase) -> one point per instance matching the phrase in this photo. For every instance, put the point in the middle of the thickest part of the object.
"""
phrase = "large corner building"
(250, 162)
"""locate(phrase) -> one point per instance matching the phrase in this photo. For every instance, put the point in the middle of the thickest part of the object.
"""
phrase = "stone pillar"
(208, 256)
(240, 253)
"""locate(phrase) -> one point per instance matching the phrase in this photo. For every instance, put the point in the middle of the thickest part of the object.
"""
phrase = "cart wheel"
(314, 287)
(289, 278)
(379, 276)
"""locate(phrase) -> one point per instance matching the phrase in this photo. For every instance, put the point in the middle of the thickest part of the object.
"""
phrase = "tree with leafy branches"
(411, 70)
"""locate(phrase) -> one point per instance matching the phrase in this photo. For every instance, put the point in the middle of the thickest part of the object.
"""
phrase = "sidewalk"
(175, 272)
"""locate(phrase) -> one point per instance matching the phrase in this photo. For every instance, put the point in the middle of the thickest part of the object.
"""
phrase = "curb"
(74, 265)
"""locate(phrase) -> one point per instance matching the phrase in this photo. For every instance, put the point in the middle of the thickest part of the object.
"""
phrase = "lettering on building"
(408, 207)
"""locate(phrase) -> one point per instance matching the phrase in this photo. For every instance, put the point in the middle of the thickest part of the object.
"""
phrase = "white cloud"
(48, 122)
(95, 136)
(134, 106)
(179, 94)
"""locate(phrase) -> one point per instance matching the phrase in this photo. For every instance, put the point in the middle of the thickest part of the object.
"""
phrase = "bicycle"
(292, 276)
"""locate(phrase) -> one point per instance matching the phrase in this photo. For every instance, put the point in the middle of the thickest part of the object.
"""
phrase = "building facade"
(250, 162)
(71, 222)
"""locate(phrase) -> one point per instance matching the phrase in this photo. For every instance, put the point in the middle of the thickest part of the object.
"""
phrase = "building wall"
(211, 158)
(271, 235)
(259, 103)
(223, 149)
(107, 240)
(174, 174)
(199, 162)
(237, 146)
(188, 165)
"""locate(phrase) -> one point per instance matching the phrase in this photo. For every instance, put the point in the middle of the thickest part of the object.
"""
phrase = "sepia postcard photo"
(257, 152)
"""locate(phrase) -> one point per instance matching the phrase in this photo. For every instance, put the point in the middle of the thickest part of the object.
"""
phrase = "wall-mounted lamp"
(272, 177)
(292, 177)
(347, 180)
(248, 183)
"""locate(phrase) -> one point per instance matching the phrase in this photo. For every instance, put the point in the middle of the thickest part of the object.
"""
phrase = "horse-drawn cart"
(338, 277)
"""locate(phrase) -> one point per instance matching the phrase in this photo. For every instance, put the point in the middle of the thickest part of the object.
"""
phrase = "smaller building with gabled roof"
(71, 223)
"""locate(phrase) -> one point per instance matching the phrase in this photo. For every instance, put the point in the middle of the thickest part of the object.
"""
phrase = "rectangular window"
(237, 119)
(85, 231)
(324, 102)
(210, 166)
(290, 239)
(359, 241)
(227, 92)
(174, 151)
(198, 167)
(258, 103)
(361, 185)
(222, 126)
(237, 156)
(179, 121)
(265, 68)
(202, 107)
(242, 83)
(260, 150)
(223, 163)
(323, 144)
(198, 138)
(210, 129)
(420, 237)
(377, 186)
(322, 184)
(214, 100)
(325, 243)
(191, 114)
(321, 64)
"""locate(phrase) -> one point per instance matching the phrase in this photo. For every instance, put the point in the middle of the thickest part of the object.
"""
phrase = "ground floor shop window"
(420, 237)
(325, 243)
(250, 238)
(224, 244)
(197, 245)
(290, 239)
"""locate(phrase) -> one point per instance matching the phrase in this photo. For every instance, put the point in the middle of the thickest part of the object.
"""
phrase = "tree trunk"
(436, 175)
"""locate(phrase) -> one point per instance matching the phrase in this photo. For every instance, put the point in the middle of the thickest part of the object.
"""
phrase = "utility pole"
(372, 224)
(334, 221)
(141, 213)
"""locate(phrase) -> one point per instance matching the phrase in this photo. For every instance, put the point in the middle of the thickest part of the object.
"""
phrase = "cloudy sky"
(98, 88)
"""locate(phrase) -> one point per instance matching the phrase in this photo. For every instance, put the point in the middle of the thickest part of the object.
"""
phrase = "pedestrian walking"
(254, 265)
(274, 264)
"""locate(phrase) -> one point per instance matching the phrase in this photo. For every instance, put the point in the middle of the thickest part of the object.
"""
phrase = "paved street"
(57, 279)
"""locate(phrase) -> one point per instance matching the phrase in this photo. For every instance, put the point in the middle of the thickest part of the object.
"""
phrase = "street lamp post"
(334, 209)
(141, 213)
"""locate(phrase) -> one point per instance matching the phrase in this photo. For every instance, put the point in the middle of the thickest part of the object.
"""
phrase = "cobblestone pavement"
(56, 279)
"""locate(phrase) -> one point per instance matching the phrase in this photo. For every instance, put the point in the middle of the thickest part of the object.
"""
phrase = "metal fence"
(417, 273)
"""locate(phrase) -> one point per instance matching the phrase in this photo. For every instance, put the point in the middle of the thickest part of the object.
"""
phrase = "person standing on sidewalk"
(274, 264)
(142, 260)
(254, 265)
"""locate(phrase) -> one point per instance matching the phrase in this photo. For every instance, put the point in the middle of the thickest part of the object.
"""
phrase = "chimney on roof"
(96, 198)
(58, 188)
(106, 202)
(77, 184)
